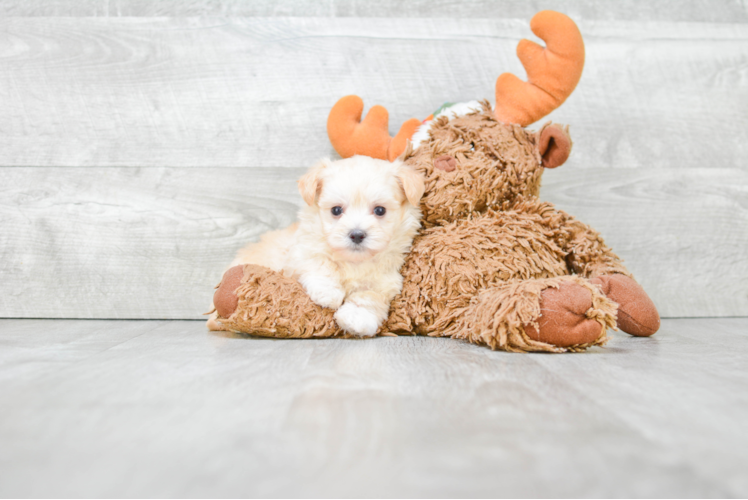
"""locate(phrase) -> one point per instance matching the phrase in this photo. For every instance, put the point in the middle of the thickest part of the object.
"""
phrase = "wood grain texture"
(152, 242)
(682, 232)
(726, 11)
(164, 409)
(130, 242)
(255, 92)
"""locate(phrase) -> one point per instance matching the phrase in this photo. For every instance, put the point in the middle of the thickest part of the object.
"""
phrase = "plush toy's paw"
(225, 299)
(323, 291)
(563, 321)
(637, 314)
(357, 320)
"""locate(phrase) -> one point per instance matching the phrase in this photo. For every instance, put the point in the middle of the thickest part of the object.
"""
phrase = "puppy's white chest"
(361, 283)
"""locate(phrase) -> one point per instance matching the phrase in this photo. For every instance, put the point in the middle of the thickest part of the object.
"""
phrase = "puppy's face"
(364, 205)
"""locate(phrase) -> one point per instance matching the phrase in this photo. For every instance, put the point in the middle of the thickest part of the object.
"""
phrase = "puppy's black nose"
(357, 236)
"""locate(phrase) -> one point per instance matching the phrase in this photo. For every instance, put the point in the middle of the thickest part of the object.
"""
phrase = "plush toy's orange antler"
(351, 136)
(552, 71)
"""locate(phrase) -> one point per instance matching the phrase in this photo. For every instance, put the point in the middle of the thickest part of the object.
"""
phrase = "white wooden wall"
(143, 142)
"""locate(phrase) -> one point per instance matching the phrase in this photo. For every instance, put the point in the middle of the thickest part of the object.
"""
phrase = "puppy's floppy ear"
(310, 183)
(412, 183)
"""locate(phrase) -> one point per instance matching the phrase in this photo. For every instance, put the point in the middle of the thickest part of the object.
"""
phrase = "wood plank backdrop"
(142, 143)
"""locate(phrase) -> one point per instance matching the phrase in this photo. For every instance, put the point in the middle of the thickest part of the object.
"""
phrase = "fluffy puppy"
(351, 238)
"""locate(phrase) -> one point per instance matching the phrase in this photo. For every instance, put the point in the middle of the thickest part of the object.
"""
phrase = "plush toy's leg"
(259, 301)
(588, 256)
(225, 299)
(637, 314)
(560, 314)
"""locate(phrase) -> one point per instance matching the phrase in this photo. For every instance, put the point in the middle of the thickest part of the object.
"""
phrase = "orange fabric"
(400, 141)
(370, 137)
(552, 71)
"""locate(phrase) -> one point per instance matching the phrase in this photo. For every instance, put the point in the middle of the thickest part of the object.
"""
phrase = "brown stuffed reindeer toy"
(492, 263)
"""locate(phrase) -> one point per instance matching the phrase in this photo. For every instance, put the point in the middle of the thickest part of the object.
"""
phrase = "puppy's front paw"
(324, 293)
(357, 320)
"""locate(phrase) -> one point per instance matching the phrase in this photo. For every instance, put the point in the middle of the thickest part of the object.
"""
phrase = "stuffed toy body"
(492, 264)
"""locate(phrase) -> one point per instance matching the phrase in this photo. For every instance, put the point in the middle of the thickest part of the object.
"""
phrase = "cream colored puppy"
(351, 238)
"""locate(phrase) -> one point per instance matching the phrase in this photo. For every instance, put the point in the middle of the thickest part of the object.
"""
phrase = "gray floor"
(163, 408)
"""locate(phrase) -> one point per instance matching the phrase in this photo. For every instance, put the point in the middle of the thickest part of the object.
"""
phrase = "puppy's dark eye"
(336, 211)
(380, 211)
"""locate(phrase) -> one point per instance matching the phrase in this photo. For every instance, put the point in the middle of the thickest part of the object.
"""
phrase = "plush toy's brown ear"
(310, 183)
(412, 183)
(554, 145)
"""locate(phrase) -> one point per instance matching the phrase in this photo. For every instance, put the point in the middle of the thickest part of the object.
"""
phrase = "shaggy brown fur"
(495, 164)
(477, 270)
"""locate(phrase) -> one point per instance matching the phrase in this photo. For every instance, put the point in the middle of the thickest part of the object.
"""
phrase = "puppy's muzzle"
(357, 236)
